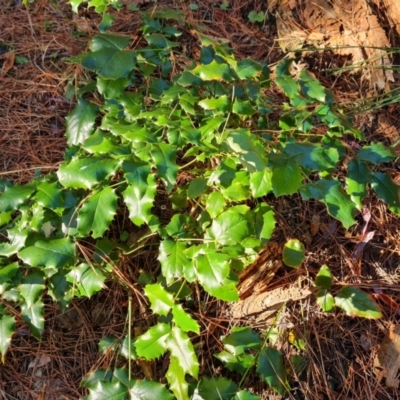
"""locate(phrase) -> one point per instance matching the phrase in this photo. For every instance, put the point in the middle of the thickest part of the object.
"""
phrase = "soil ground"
(34, 86)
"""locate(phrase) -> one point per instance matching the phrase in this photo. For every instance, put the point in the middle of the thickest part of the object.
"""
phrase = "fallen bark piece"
(263, 302)
(387, 360)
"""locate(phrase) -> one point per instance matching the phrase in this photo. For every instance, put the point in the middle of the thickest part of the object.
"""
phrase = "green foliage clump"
(204, 137)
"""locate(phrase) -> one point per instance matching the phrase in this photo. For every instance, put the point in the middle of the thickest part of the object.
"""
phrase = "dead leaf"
(387, 360)
(388, 300)
(39, 361)
(8, 63)
(314, 225)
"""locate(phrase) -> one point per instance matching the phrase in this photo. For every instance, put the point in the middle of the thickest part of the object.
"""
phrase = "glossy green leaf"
(161, 301)
(324, 277)
(338, 202)
(248, 149)
(214, 71)
(286, 175)
(183, 320)
(8, 272)
(107, 391)
(49, 195)
(152, 344)
(52, 253)
(88, 280)
(97, 212)
(181, 348)
(245, 395)
(293, 253)
(264, 221)
(243, 108)
(84, 173)
(176, 379)
(7, 328)
(110, 63)
(164, 157)
(355, 302)
(240, 364)
(32, 288)
(213, 274)
(215, 204)
(387, 190)
(358, 175)
(173, 259)
(229, 227)
(261, 182)
(34, 317)
(284, 79)
(242, 339)
(271, 369)
(149, 390)
(80, 122)
(111, 88)
(109, 41)
(248, 69)
(221, 103)
(197, 187)
(311, 87)
(376, 153)
(325, 300)
(216, 389)
(14, 196)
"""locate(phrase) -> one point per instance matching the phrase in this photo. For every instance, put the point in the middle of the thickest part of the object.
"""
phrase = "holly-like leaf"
(183, 320)
(376, 153)
(240, 364)
(149, 390)
(358, 175)
(271, 368)
(248, 69)
(216, 389)
(110, 63)
(32, 288)
(261, 182)
(355, 302)
(109, 41)
(80, 122)
(14, 196)
(173, 259)
(152, 344)
(164, 157)
(331, 193)
(293, 253)
(7, 328)
(181, 348)
(84, 173)
(176, 379)
(108, 390)
(221, 103)
(161, 301)
(52, 253)
(111, 88)
(248, 149)
(325, 300)
(228, 228)
(284, 79)
(286, 175)
(213, 274)
(215, 204)
(387, 190)
(8, 272)
(97, 212)
(242, 339)
(88, 280)
(34, 317)
(49, 195)
(214, 71)
(311, 87)
(264, 221)
(324, 277)
(245, 395)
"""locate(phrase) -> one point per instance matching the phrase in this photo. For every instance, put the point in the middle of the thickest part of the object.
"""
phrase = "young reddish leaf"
(355, 302)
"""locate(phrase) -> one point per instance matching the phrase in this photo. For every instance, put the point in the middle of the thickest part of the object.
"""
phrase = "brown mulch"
(37, 86)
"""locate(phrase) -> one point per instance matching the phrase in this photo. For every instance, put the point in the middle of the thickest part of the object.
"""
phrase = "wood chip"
(387, 361)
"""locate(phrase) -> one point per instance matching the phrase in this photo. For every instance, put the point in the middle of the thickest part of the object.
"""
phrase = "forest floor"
(35, 87)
